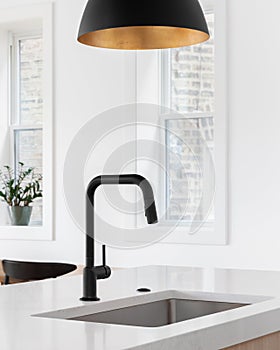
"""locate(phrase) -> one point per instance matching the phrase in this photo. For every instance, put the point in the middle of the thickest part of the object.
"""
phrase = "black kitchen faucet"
(92, 273)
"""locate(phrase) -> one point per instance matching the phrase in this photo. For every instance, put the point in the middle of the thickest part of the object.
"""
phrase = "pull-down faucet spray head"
(150, 207)
(151, 214)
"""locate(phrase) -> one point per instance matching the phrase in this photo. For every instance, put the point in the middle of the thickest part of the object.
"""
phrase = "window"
(190, 91)
(26, 108)
(193, 84)
(185, 180)
(192, 75)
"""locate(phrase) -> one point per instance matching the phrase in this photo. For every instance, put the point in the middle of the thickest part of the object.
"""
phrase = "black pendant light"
(142, 24)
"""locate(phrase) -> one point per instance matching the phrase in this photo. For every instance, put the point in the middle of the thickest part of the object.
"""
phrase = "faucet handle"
(102, 271)
(104, 255)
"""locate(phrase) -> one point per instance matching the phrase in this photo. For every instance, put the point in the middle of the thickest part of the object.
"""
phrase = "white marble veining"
(20, 330)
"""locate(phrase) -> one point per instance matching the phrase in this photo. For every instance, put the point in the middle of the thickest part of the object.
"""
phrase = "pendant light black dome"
(142, 24)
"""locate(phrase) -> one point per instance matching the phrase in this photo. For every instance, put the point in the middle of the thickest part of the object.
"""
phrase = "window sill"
(26, 233)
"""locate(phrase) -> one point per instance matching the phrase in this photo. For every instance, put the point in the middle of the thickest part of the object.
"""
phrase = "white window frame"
(27, 21)
(147, 62)
(15, 125)
(219, 234)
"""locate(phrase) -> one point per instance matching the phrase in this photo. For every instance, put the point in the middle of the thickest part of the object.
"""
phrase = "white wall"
(254, 125)
(88, 81)
(254, 146)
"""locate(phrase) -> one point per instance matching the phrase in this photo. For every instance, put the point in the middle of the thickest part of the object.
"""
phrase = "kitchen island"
(27, 311)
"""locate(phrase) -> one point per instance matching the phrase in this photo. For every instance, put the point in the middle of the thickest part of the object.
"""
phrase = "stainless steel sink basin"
(159, 313)
(154, 309)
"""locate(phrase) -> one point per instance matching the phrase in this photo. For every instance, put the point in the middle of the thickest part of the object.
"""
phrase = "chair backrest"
(32, 271)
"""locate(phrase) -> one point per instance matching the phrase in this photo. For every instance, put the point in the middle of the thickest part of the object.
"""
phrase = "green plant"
(21, 187)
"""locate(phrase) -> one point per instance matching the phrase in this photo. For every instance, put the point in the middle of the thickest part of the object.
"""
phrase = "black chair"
(25, 271)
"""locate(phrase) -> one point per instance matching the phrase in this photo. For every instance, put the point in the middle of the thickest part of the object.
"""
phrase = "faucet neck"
(132, 179)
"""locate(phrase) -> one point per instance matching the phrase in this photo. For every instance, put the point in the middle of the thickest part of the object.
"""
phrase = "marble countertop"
(20, 330)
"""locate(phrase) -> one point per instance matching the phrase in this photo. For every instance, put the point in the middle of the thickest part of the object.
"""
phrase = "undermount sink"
(159, 313)
(154, 309)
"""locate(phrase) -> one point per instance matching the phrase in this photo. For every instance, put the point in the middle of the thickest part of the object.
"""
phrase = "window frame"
(15, 117)
(27, 21)
(219, 234)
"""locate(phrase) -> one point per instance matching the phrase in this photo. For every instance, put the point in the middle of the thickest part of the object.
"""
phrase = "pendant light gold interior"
(143, 37)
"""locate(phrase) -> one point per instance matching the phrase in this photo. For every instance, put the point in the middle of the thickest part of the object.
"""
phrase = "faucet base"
(89, 299)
